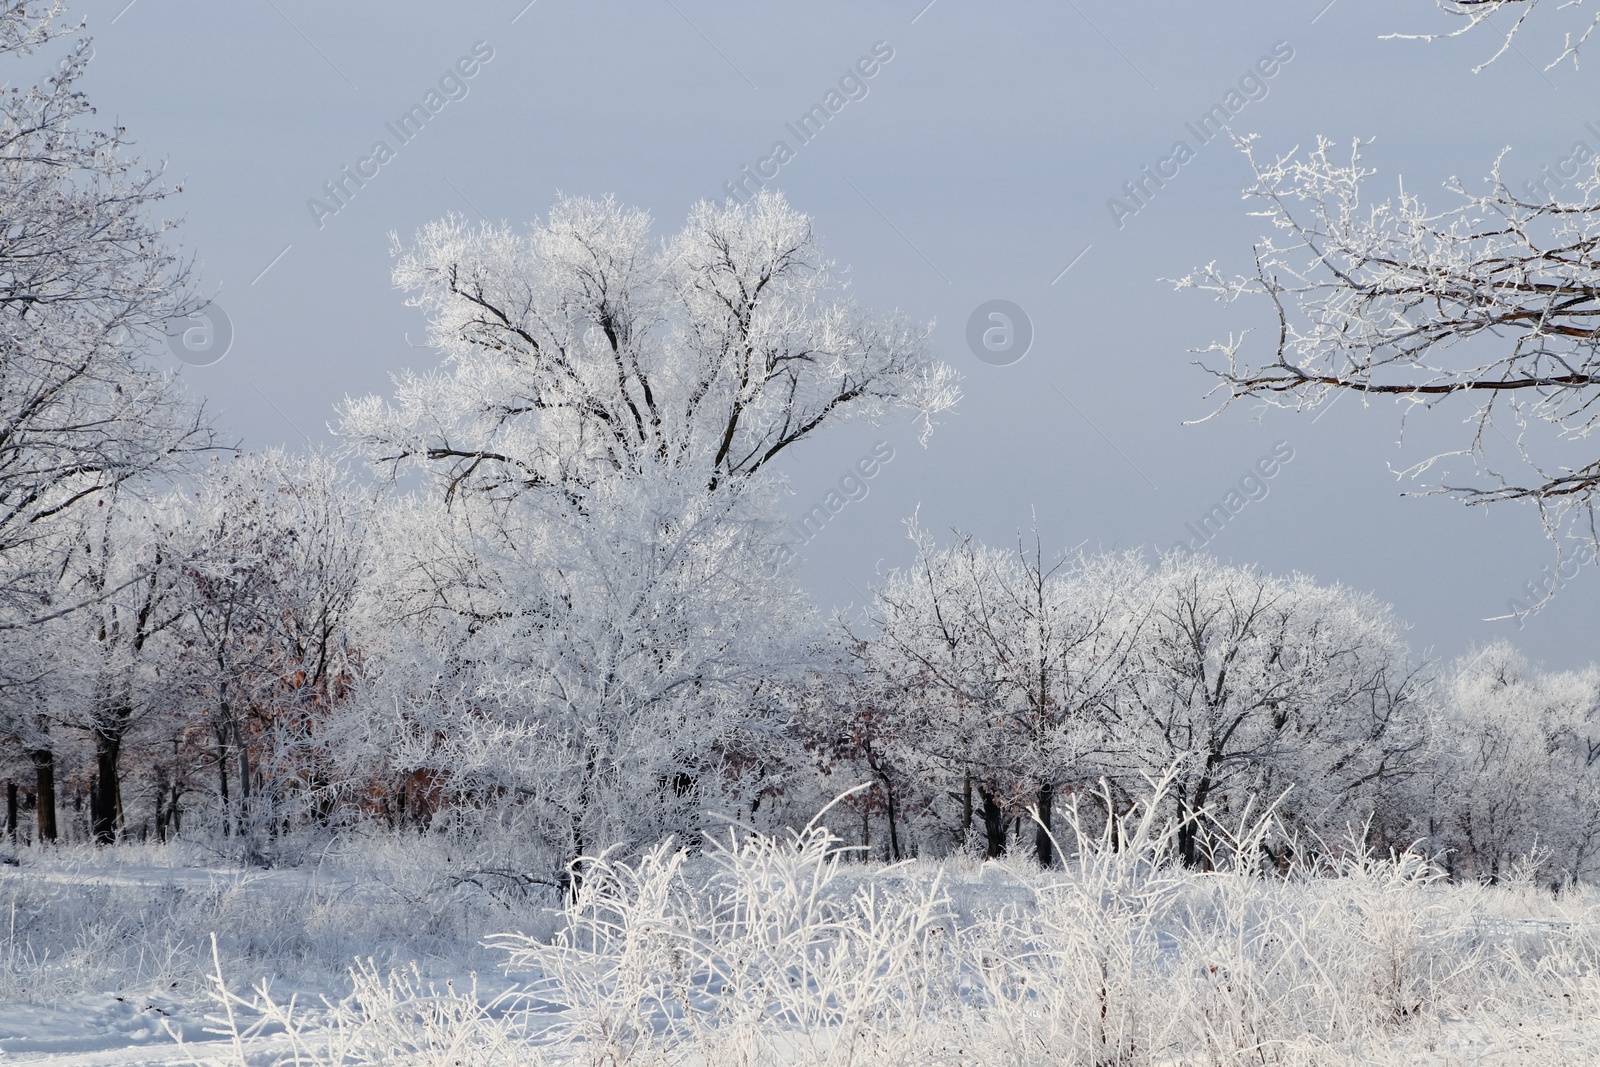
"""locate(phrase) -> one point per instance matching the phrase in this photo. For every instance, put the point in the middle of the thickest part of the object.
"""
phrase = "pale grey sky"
(976, 163)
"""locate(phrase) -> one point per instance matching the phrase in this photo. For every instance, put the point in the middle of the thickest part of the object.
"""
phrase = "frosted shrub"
(759, 949)
(397, 1018)
(1073, 974)
(1403, 945)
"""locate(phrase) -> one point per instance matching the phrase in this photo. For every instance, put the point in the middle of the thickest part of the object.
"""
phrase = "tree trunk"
(966, 804)
(1189, 842)
(994, 825)
(105, 803)
(894, 831)
(571, 876)
(44, 778)
(1042, 844)
(222, 773)
(244, 784)
(11, 811)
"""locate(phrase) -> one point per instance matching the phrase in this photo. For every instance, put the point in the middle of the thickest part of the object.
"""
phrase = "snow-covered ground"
(105, 954)
(767, 951)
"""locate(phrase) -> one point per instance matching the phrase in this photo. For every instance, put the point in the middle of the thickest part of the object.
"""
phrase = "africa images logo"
(200, 337)
(999, 332)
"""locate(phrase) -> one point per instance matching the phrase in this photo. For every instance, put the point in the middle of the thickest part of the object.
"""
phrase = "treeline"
(531, 601)
(277, 653)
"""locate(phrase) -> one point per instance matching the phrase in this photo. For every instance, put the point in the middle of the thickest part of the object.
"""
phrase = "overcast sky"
(975, 164)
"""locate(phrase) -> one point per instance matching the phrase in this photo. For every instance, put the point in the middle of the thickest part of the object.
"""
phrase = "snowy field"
(764, 951)
(107, 952)
(486, 728)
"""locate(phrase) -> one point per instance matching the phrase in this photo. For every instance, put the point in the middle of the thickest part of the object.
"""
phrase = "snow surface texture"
(762, 950)
(109, 949)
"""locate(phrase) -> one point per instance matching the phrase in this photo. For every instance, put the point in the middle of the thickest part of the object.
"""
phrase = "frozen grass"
(764, 950)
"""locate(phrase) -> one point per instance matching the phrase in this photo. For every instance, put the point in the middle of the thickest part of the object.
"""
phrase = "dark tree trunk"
(44, 779)
(571, 877)
(1042, 844)
(222, 774)
(882, 772)
(1187, 851)
(1189, 839)
(244, 785)
(105, 802)
(966, 804)
(994, 825)
(894, 831)
(11, 811)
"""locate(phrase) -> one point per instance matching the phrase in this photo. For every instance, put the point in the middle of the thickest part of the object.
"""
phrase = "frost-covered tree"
(1000, 667)
(114, 660)
(1254, 684)
(1580, 25)
(1016, 680)
(87, 283)
(581, 350)
(275, 553)
(608, 675)
(587, 629)
(219, 613)
(1485, 308)
(940, 698)
(27, 740)
(1516, 770)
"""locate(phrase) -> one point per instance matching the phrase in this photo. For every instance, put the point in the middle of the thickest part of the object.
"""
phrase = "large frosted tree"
(582, 350)
(589, 622)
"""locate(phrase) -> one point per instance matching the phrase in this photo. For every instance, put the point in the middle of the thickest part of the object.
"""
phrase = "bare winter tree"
(1492, 303)
(87, 282)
